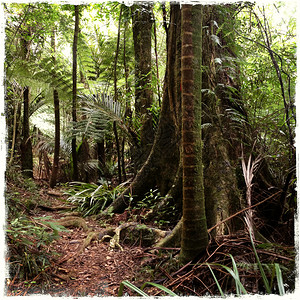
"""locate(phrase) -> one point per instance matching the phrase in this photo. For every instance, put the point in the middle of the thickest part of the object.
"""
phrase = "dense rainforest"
(150, 149)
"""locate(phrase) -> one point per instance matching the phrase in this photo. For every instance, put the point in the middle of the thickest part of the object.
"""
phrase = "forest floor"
(96, 271)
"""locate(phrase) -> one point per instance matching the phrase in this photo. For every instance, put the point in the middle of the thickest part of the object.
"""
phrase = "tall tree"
(74, 91)
(163, 163)
(55, 166)
(116, 96)
(194, 230)
(222, 134)
(26, 144)
(164, 166)
(142, 30)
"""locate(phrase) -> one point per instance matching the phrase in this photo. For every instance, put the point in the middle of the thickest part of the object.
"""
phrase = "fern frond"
(37, 103)
(107, 107)
(86, 63)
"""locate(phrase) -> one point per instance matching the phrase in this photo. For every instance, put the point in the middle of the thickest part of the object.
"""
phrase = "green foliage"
(98, 112)
(140, 291)
(269, 104)
(28, 240)
(90, 198)
(152, 201)
(262, 272)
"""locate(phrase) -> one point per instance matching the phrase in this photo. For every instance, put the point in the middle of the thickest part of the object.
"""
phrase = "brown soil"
(97, 271)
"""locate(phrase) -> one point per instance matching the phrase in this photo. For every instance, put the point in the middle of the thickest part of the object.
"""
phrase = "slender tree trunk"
(194, 229)
(14, 134)
(118, 151)
(116, 57)
(123, 159)
(116, 98)
(57, 126)
(26, 146)
(74, 92)
(55, 167)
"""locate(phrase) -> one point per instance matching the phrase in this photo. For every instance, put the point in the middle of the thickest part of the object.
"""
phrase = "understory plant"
(28, 241)
(140, 291)
(161, 210)
(90, 198)
(274, 269)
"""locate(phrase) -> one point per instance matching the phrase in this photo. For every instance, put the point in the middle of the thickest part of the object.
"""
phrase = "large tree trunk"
(162, 163)
(74, 92)
(194, 237)
(142, 29)
(222, 136)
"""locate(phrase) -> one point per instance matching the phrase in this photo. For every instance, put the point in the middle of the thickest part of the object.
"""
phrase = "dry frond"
(248, 172)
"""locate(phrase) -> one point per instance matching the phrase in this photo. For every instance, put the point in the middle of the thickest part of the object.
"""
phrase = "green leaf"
(131, 286)
(160, 287)
(216, 280)
(262, 272)
(236, 272)
(279, 280)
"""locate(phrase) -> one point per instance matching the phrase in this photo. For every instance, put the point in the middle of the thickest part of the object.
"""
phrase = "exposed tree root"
(173, 239)
(129, 233)
(53, 208)
(72, 221)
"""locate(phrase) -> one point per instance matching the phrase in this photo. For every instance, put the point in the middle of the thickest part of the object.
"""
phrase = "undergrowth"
(28, 238)
(90, 198)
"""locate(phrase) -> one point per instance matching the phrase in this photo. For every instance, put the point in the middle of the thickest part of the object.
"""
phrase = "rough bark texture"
(142, 30)
(74, 91)
(222, 136)
(162, 163)
(194, 238)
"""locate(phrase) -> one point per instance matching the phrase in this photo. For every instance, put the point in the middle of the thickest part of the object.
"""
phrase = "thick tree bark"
(194, 237)
(222, 136)
(142, 29)
(162, 163)
(156, 62)
(74, 92)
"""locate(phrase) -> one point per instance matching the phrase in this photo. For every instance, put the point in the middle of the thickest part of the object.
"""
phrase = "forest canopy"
(151, 125)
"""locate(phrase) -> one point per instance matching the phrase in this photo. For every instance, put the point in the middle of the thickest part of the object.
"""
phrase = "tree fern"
(85, 60)
(98, 112)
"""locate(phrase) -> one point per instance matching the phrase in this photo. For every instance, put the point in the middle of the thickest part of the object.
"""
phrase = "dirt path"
(96, 271)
